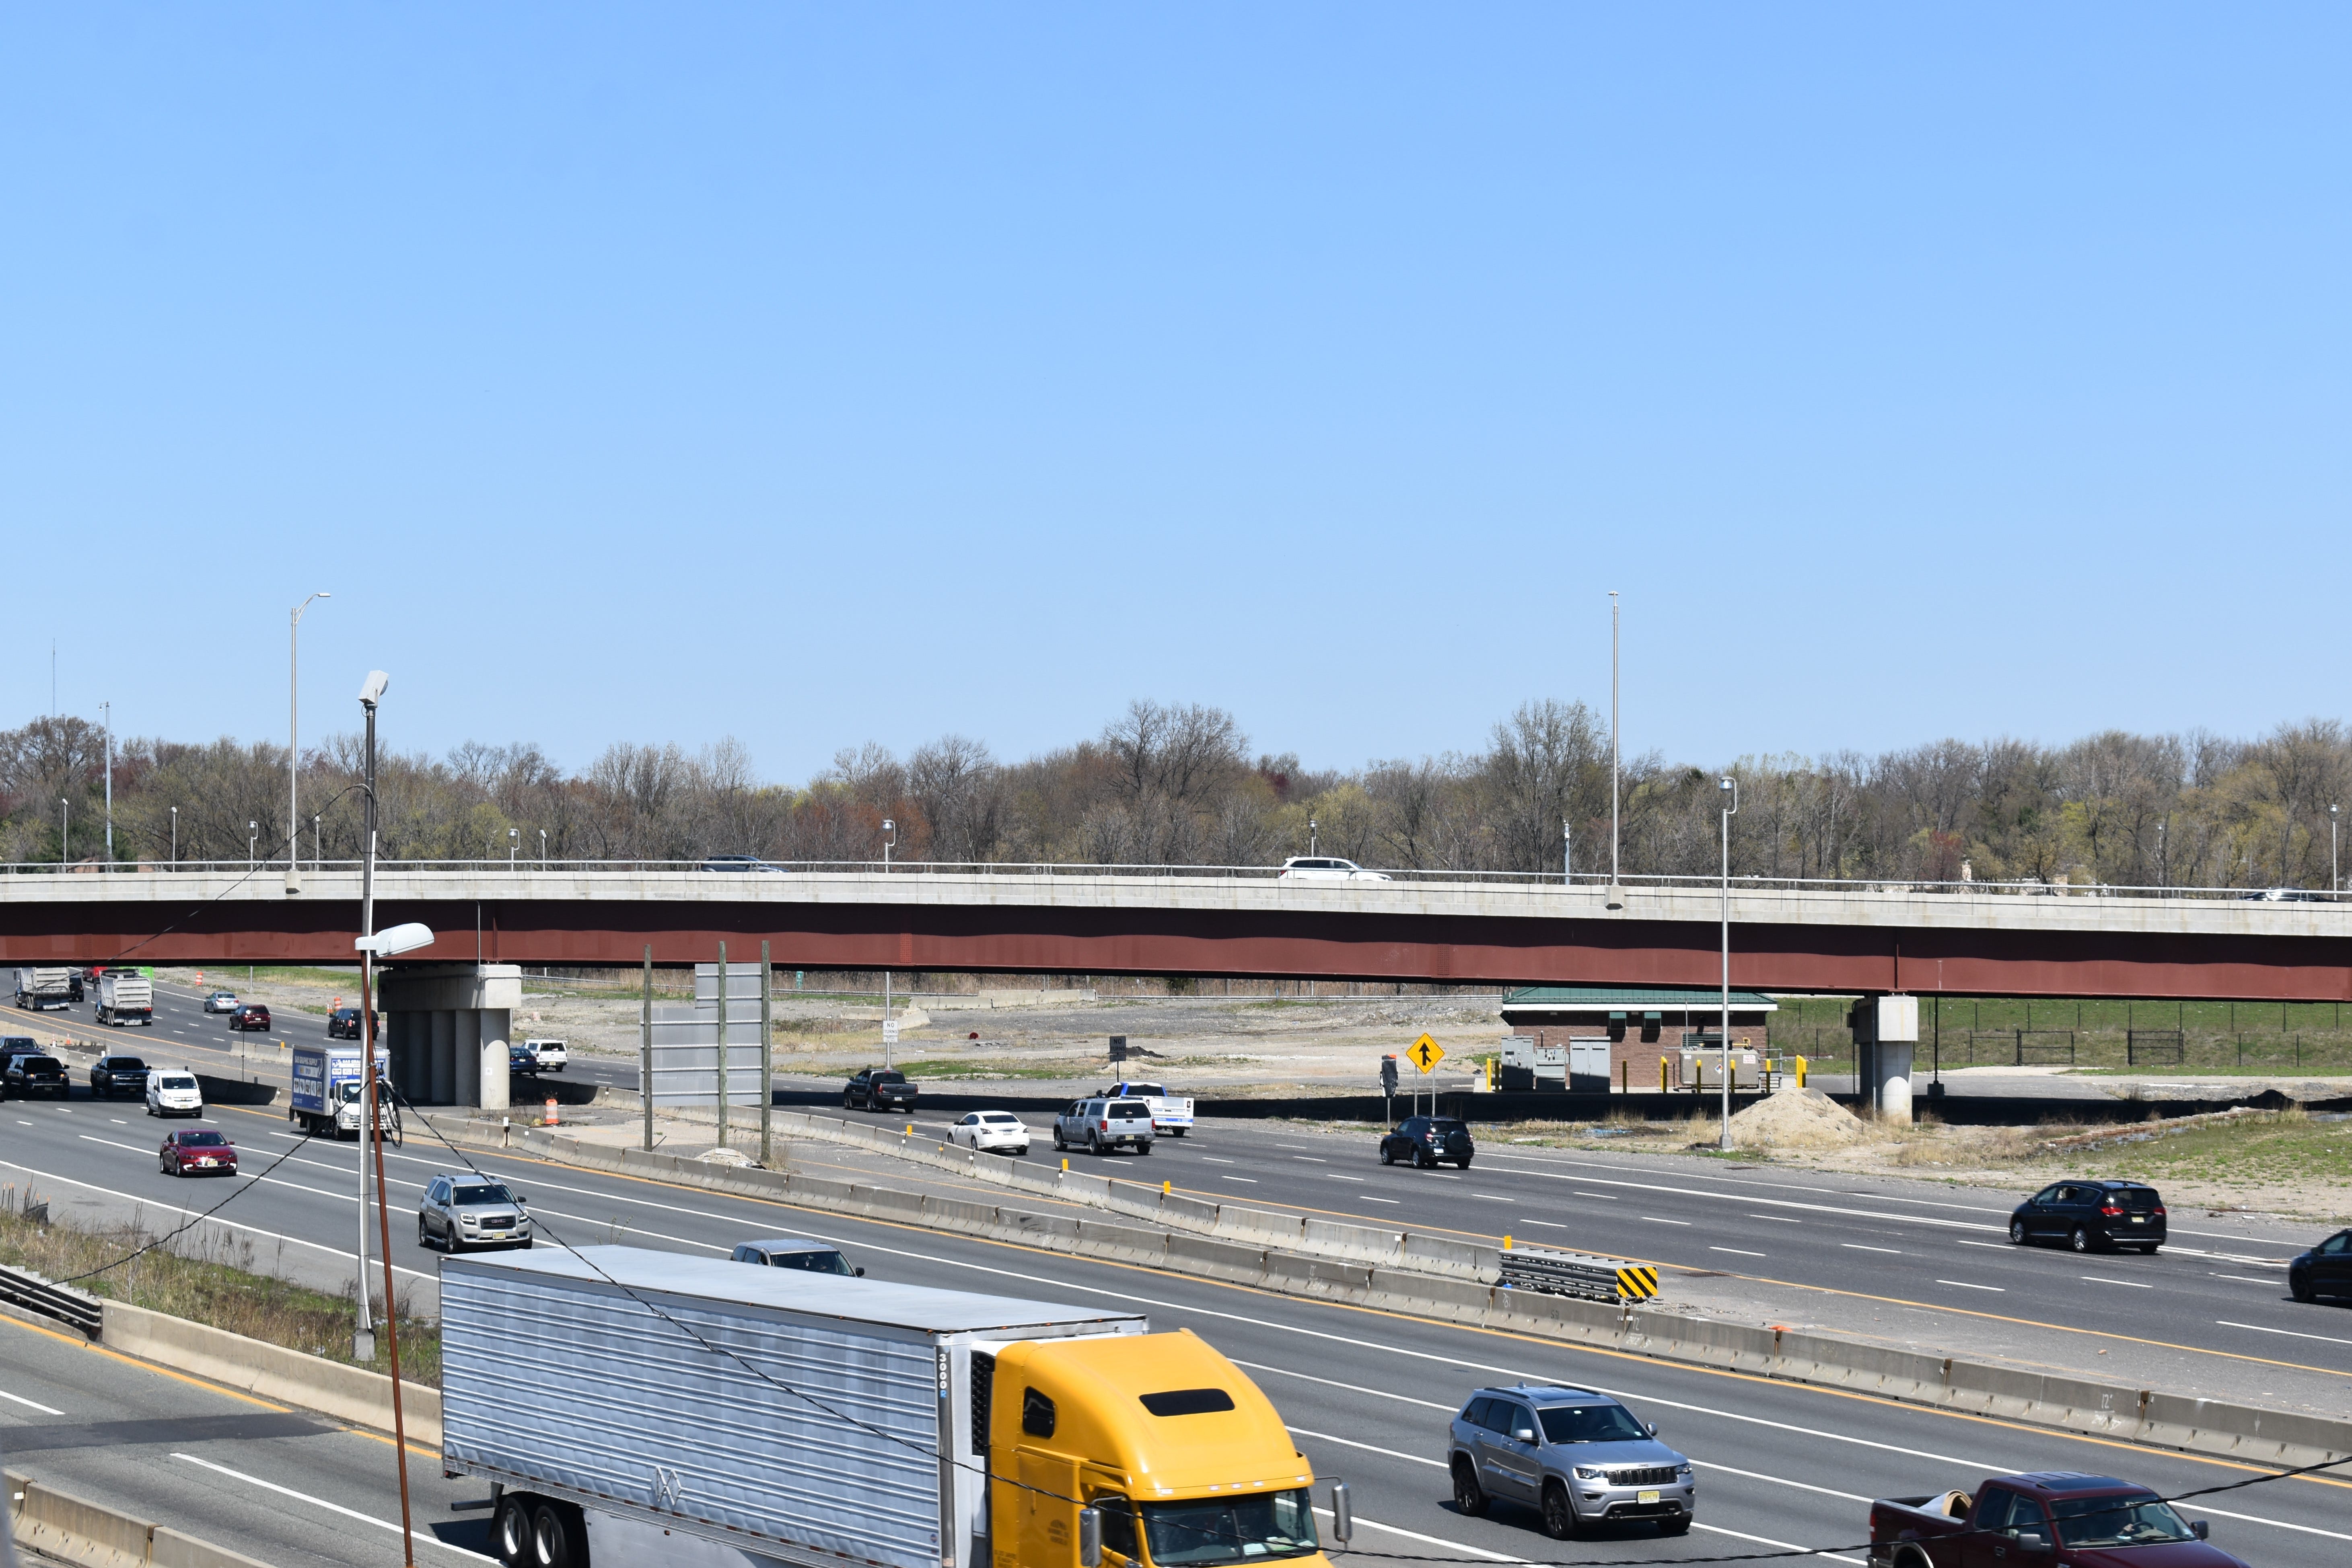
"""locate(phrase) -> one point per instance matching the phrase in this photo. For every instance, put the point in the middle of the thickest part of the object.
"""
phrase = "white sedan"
(991, 1132)
(1326, 868)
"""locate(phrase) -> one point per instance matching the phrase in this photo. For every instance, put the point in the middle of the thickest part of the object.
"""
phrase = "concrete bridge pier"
(1886, 1041)
(445, 1030)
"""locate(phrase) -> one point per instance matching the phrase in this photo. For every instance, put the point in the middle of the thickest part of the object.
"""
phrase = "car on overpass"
(738, 863)
(1326, 868)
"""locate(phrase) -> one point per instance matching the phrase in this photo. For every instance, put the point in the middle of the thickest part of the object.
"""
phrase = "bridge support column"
(447, 1026)
(1886, 1040)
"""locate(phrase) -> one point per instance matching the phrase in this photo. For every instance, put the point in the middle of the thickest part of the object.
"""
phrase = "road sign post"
(1425, 1054)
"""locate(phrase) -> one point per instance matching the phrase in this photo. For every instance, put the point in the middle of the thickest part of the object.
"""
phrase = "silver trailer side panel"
(556, 1379)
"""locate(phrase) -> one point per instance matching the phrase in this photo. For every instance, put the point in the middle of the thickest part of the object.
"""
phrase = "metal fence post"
(645, 1050)
(722, 1045)
(766, 1058)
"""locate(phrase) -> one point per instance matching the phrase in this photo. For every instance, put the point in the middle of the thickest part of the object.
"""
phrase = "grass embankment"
(211, 1283)
(2203, 1039)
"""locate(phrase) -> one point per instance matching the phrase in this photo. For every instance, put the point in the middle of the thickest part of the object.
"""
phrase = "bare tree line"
(1176, 784)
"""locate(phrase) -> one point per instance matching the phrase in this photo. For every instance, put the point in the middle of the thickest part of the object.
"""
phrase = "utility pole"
(1567, 854)
(1730, 809)
(364, 1329)
(766, 1058)
(722, 1045)
(108, 709)
(645, 1052)
(1616, 890)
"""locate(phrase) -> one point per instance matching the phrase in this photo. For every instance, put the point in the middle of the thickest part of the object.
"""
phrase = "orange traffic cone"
(550, 1112)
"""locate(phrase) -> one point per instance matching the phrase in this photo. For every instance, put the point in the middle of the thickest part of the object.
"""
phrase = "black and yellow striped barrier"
(1551, 1273)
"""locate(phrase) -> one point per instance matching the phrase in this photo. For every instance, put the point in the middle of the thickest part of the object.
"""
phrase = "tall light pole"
(1616, 890)
(252, 845)
(108, 709)
(891, 829)
(175, 838)
(543, 849)
(293, 744)
(64, 829)
(2335, 881)
(1730, 809)
(364, 1329)
(2163, 870)
(1567, 854)
(514, 843)
(1314, 830)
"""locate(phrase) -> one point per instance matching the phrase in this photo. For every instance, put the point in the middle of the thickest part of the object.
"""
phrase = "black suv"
(2325, 1270)
(1429, 1141)
(343, 1023)
(113, 1075)
(29, 1073)
(878, 1089)
(2093, 1216)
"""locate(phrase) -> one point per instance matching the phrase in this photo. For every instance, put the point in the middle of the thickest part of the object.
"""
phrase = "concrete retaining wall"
(349, 1394)
(60, 1524)
(1245, 1254)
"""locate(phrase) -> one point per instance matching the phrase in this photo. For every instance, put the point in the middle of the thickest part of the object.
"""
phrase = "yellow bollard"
(1164, 1189)
(1066, 1167)
(1662, 1075)
(910, 1129)
(1506, 1244)
(1800, 1073)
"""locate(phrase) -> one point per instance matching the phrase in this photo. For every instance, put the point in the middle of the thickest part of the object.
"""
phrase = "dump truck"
(125, 997)
(41, 989)
(632, 1407)
(325, 1091)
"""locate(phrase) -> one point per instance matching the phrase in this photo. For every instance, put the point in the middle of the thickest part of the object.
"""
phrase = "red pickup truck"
(2045, 1519)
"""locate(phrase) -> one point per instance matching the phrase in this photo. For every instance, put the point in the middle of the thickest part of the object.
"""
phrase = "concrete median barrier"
(350, 1393)
(60, 1524)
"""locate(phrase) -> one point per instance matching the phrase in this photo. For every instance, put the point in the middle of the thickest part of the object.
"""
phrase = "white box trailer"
(563, 1382)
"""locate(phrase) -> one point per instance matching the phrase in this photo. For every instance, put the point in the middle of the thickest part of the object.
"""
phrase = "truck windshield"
(2117, 1522)
(1230, 1530)
(1590, 1423)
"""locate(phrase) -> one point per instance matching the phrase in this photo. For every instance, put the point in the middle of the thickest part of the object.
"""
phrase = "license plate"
(1645, 1497)
(2139, 1220)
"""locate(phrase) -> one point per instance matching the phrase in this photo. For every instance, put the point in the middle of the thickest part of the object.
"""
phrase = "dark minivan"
(1429, 1141)
(2093, 1216)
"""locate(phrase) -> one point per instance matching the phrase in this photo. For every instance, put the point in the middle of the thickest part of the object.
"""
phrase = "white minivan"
(172, 1091)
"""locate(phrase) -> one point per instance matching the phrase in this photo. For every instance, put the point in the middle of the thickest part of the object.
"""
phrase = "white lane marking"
(1495, 1196)
(1858, 1246)
(1335, 1175)
(1369, 1198)
(1774, 1202)
(1657, 1221)
(1252, 1180)
(28, 1404)
(2102, 1280)
(1603, 1197)
(1737, 1252)
(1966, 1242)
(22, 1123)
(1767, 1540)
(1782, 1217)
(1310, 1159)
(191, 1214)
(1211, 1159)
(2324, 1339)
(424, 1536)
(1551, 1224)
(121, 1123)
(2244, 1278)
(1368, 1448)
(1780, 1481)
(1429, 1540)
(2258, 1518)
(1963, 1284)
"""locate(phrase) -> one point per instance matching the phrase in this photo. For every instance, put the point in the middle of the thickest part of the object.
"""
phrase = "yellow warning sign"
(1425, 1053)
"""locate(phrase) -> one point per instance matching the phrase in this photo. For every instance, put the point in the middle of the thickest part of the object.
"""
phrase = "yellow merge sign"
(1425, 1053)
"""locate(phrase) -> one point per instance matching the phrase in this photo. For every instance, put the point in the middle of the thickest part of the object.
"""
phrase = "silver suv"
(1577, 1457)
(1105, 1126)
(462, 1211)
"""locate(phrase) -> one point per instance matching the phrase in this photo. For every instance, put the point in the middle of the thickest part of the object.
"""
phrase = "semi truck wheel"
(510, 1532)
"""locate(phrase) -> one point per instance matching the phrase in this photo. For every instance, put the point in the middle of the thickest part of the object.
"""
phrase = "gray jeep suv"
(1577, 1457)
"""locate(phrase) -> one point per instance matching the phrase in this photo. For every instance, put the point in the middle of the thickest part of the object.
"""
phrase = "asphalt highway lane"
(1367, 1393)
(2213, 1289)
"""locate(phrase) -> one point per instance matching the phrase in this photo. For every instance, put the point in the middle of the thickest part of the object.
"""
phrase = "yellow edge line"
(1513, 1334)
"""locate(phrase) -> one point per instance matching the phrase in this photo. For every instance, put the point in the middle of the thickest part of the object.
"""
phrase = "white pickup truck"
(549, 1054)
(1171, 1114)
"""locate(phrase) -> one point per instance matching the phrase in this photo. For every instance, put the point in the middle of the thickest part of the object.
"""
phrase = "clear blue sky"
(820, 374)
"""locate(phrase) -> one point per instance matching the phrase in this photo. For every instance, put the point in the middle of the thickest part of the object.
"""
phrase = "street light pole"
(2335, 880)
(64, 829)
(364, 1329)
(175, 838)
(108, 709)
(1616, 892)
(514, 843)
(890, 828)
(1730, 809)
(293, 742)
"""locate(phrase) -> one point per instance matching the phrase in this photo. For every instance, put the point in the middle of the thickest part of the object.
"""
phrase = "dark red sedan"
(198, 1151)
(252, 1015)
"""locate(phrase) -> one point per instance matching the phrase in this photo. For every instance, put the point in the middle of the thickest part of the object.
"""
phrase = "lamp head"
(372, 689)
(399, 939)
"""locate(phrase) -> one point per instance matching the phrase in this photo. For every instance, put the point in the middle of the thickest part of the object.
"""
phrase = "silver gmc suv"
(1577, 1457)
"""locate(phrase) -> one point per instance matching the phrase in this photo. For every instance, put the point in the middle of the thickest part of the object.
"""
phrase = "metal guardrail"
(78, 1309)
(1589, 1279)
(1586, 881)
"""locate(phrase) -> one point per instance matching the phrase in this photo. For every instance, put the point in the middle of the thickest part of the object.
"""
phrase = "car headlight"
(1591, 1473)
(1683, 1474)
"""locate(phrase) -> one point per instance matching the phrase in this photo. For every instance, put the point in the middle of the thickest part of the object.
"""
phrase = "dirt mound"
(1796, 1118)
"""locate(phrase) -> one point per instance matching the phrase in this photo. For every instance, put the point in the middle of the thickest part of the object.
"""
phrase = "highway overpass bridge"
(1837, 938)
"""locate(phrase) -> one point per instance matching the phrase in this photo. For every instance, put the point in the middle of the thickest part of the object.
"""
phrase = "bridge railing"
(1581, 881)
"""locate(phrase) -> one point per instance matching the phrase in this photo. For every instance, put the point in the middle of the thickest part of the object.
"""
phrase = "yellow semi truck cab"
(1184, 1460)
